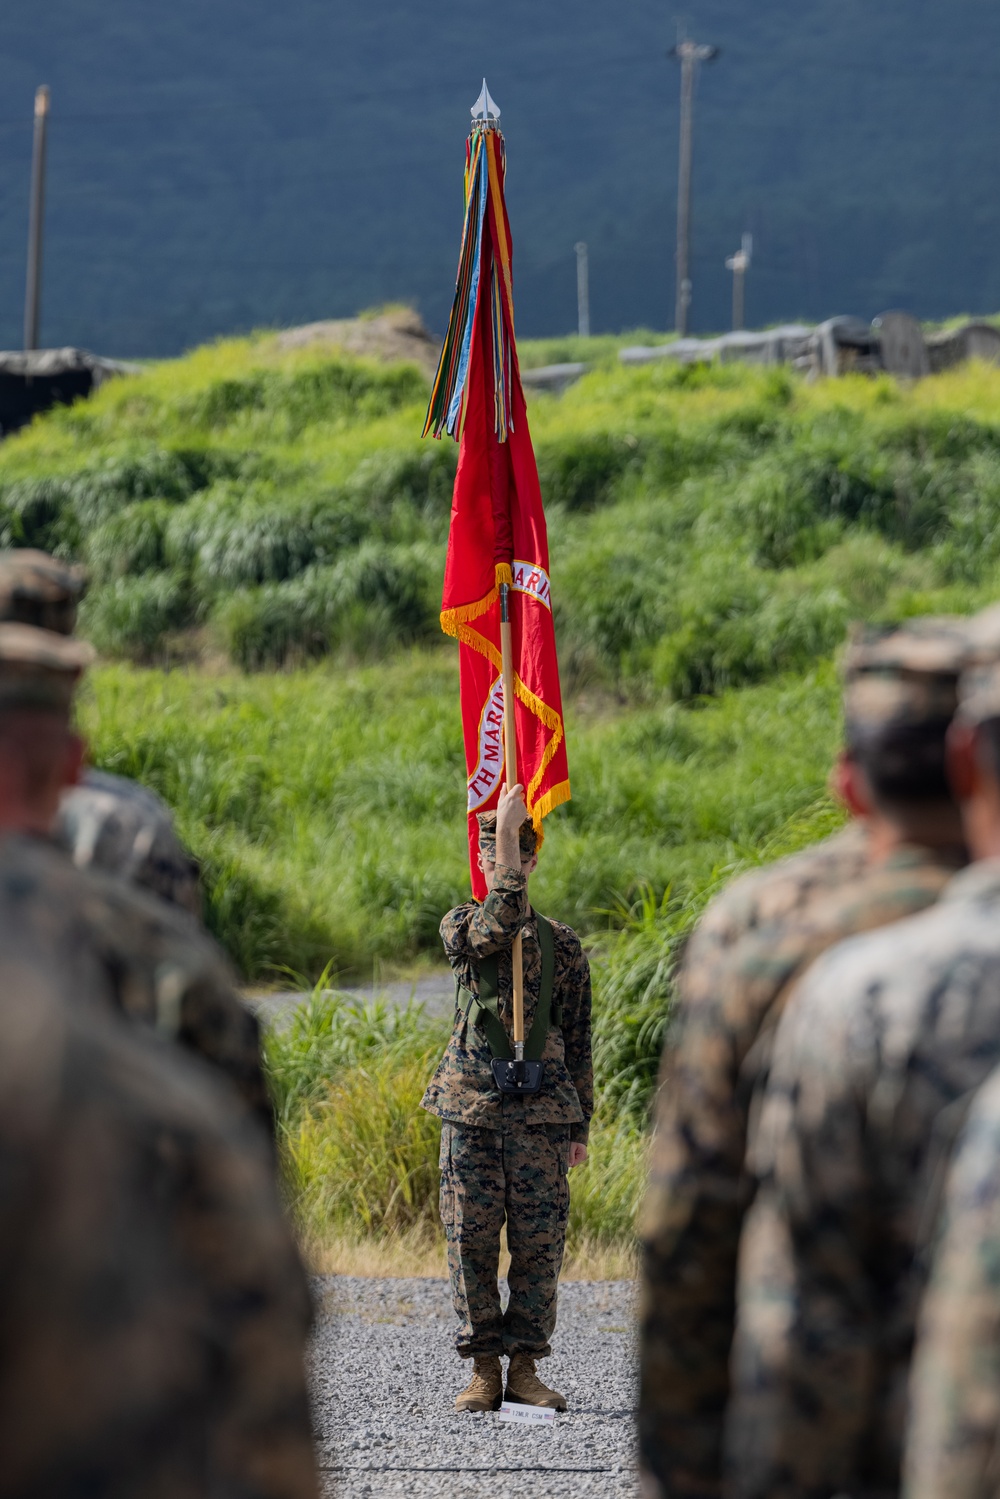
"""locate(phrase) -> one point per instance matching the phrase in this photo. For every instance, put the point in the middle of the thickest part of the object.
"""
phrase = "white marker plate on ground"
(529, 1415)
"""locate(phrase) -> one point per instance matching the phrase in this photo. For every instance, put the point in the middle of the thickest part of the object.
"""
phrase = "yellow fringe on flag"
(556, 795)
(451, 619)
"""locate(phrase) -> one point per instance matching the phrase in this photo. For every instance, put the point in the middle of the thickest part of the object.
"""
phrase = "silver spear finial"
(485, 111)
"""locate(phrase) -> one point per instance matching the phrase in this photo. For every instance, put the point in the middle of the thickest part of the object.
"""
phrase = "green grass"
(326, 803)
(712, 533)
(708, 526)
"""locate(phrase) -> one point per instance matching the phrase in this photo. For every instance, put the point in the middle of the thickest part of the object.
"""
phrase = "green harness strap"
(485, 1012)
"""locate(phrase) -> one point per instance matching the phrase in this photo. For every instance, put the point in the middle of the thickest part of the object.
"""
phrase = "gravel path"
(385, 1375)
(435, 992)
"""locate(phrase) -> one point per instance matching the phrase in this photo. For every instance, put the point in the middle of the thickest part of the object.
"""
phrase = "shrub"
(130, 542)
(302, 395)
(583, 471)
(131, 616)
(422, 480)
(239, 534)
(376, 598)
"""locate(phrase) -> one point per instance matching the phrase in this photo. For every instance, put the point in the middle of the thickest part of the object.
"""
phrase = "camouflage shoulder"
(767, 894)
(120, 827)
(564, 936)
(457, 917)
(40, 868)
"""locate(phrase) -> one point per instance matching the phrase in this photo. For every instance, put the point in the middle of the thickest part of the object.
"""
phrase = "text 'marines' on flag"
(497, 531)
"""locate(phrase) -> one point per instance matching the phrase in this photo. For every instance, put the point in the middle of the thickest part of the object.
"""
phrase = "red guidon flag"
(497, 522)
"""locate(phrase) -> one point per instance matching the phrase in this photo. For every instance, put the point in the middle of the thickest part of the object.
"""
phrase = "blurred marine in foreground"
(875, 1062)
(160, 968)
(153, 1309)
(903, 846)
(106, 822)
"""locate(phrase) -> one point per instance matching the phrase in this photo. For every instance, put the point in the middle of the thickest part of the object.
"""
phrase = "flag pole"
(510, 770)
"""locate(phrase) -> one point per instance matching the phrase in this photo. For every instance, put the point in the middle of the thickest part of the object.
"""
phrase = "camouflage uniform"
(698, 1192)
(116, 826)
(39, 590)
(153, 1309)
(107, 822)
(506, 1157)
(953, 1431)
(750, 947)
(763, 896)
(874, 1062)
(159, 968)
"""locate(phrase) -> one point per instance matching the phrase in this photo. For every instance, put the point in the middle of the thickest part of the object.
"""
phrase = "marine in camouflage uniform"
(748, 952)
(875, 1061)
(953, 1432)
(153, 1309)
(505, 1158)
(116, 826)
(106, 822)
(161, 969)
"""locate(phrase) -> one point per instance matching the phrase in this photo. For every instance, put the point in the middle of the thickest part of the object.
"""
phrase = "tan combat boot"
(484, 1392)
(525, 1387)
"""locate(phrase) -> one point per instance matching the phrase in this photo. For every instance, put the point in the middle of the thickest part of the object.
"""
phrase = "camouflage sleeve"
(214, 1023)
(573, 989)
(473, 930)
(811, 1157)
(954, 1428)
(690, 1235)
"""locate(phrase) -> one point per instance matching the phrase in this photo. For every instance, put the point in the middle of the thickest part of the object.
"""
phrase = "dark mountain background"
(218, 165)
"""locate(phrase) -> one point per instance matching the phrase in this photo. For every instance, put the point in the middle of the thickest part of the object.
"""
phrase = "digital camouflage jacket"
(159, 967)
(153, 1309)
(953, 1433)
(117, 827)
(462, 1089)
(875, 1061)
(773, 893)
(714, 1065)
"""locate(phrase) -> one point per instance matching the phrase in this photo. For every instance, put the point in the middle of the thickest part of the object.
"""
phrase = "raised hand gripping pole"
(510, 770)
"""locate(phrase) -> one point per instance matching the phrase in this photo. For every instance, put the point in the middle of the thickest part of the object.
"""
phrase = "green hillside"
(712, 533)
(225, 167)
(266, 534)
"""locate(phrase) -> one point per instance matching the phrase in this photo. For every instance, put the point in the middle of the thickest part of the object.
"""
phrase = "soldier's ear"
(850, 786)
(962, 754)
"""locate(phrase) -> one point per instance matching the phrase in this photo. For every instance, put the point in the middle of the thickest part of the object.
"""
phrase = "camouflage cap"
(527, 837)
(39, 590)
(984, 636)
(39, 668)
(904, 676)
(979, 693)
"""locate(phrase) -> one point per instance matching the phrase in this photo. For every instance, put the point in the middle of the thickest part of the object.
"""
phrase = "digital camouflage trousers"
(489, 1177)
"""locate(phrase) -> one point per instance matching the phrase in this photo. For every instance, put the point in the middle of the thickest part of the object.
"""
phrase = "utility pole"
(689, 55)
(33, 287)
(582, 290)
(739, 264)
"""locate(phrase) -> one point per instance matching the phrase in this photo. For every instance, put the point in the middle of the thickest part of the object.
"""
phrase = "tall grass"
(712, 532)
(326, 804)
(361, 1157)
(709, 526)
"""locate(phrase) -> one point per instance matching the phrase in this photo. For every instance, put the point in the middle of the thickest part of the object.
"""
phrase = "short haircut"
(904, 764)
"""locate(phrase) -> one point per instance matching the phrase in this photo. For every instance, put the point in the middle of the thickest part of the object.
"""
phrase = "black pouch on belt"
(512, 1077)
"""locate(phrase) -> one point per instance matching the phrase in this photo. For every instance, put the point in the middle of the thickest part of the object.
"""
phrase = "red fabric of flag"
(498, 535)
